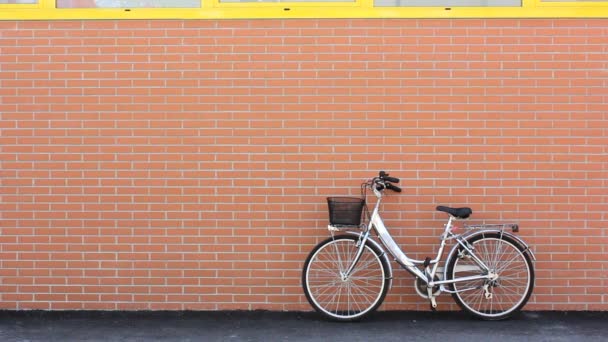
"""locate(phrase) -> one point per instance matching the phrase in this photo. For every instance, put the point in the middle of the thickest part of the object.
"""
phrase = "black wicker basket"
(345, 211)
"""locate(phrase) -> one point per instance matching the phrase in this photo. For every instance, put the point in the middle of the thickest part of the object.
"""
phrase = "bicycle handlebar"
(384, 176)
(385, 182)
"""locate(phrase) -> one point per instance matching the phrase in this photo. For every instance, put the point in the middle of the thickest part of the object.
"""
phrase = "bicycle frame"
(377, 224)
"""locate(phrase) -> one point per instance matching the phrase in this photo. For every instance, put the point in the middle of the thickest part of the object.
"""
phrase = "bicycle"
(489, 271)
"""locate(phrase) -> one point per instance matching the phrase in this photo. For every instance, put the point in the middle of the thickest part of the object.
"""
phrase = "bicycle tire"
(345, 299)
(509, 292)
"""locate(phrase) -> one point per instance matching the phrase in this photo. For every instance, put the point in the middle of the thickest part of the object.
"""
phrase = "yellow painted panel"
(213, 9)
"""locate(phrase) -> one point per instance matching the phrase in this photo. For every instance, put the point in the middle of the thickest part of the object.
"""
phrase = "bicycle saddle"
(461, 213)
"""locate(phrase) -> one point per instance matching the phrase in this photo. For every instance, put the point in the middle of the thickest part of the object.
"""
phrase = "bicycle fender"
(384, 255)
(526, 247)
(514, 237)
(517, 239)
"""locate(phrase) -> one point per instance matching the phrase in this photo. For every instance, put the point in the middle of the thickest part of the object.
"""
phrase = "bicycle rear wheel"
(345, 298)
(492, 299)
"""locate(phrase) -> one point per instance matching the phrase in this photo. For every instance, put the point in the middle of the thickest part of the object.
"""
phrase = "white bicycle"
(489, 271)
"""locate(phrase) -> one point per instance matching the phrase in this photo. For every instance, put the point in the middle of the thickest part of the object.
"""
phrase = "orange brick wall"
(185, 164)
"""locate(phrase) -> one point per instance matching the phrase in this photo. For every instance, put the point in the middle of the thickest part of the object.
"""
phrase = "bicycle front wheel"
(498, 298)
(340, 297)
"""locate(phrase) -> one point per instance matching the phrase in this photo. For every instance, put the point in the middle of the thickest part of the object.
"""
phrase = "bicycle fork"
(360, 247)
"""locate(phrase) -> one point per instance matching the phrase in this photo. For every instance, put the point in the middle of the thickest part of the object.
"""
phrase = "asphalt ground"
(30, 326)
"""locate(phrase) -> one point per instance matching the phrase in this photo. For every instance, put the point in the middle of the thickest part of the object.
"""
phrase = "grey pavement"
(24, 326)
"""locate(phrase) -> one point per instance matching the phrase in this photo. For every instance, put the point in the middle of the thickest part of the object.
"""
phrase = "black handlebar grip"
(393, 187)
(391, 179)
(384, 176)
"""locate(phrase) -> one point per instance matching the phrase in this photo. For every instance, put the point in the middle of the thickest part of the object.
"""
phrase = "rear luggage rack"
(514, 227)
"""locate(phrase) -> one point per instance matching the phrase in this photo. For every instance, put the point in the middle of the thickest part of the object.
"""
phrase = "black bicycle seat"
(461, 213)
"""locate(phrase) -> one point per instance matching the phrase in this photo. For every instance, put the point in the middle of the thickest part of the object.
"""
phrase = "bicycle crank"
(433, 303)
(421, 288)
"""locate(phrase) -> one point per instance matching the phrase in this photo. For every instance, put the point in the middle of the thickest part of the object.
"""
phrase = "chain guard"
(420, 287)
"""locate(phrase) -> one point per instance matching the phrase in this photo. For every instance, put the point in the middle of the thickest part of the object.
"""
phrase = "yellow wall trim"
(213, 9)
